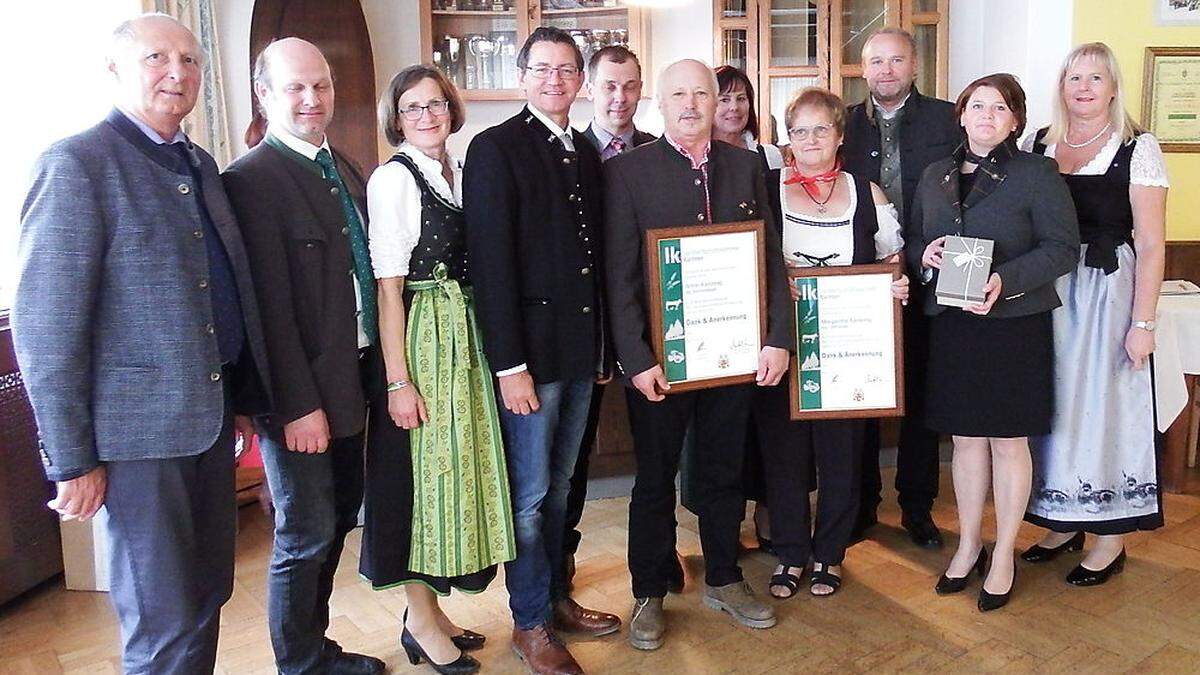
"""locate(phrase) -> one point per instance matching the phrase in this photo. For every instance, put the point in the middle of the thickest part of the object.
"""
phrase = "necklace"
(1089, 141)
(820, 204)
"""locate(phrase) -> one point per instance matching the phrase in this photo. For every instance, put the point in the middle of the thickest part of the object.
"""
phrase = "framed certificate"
(707, 298)
(849, 359)
(1171, 97)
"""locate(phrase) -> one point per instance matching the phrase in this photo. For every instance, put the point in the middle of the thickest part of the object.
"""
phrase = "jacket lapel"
(992, 173)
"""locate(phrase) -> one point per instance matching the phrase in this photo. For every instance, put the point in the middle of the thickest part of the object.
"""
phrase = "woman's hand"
(932, 257)
(407, 408)
(1139, 345)
(900, 289)
(991, 292)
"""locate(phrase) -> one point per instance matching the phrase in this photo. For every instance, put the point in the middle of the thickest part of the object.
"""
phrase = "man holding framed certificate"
(697, 311)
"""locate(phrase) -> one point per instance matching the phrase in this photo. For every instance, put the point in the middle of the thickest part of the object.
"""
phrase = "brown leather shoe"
(543, 653)
(570, 617)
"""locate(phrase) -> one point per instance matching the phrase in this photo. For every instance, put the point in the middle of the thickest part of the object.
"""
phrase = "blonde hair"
(1117, 114)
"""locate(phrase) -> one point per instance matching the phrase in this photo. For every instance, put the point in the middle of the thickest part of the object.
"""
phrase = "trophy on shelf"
(505, 60)
(453, 60)
(482, 49)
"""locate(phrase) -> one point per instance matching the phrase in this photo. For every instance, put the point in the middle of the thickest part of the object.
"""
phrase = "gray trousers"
(171, 528)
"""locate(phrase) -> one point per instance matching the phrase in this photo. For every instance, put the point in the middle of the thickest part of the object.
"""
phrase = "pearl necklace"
(1089, 141)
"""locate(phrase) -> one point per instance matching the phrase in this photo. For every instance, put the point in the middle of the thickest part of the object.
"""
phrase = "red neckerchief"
(809, 183)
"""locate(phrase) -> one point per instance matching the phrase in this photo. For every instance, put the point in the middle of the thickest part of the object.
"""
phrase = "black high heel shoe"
(1038, 553)
(949, 585)
(467, 640)
(1082, 576)
(990, 601)
(463, 665)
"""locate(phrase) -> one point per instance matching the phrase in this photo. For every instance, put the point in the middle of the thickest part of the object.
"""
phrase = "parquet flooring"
(886, 617)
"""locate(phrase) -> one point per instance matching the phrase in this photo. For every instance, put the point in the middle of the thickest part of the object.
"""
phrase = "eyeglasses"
(543, 72)
(821, 131)
(436, 107)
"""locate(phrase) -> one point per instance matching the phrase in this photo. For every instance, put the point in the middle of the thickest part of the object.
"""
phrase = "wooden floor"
(886, 617)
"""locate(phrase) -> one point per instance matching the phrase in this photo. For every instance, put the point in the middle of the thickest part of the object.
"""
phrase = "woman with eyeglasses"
(438, 513)
(827, 218)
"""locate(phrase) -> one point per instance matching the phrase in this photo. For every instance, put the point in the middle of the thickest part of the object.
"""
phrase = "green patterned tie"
(358, 246)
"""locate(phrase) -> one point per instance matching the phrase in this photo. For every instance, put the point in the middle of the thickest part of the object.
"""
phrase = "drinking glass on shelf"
(482, 48)
(619, 36)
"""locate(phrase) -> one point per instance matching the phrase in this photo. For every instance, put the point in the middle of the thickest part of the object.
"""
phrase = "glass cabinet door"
(734, 48)
(792, 25)
(475, 43)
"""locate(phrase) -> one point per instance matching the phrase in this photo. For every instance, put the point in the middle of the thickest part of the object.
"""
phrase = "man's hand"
(651, 382)
(518, 393)
(407, 408)
(991, 292)
(309, 434)
(80, 497)
(772, 364)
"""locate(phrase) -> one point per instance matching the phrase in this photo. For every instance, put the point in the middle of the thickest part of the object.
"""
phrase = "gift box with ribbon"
(966, 266)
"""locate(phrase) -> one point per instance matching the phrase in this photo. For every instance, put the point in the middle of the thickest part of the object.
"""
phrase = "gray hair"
(659, 92)
(126, 32)
(898, 32)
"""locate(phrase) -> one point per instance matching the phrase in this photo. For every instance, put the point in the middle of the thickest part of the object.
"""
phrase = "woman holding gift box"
(1096, 472)
(827, 218)
(991, 364)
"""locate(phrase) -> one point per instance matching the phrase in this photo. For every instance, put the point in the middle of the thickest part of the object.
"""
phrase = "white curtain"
(206, 125)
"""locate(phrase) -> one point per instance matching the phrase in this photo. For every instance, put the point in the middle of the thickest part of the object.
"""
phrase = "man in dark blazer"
(137, 331)
(684, 179)
(614, 87)
(890, 138)
(303, 213)
(532, 197)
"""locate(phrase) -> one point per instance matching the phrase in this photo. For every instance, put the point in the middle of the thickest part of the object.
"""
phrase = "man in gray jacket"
(135, 326)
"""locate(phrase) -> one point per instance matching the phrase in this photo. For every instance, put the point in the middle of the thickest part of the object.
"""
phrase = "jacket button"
(566, 160)
(214, 376)
(700, 216)
(874, 153)
(345, 230)
(334, 190)
(958, 221)
(573, 198)
(209, 328)
(698, 181)
(585, 271)
(587, 310)
(184, 188)
(204, 283)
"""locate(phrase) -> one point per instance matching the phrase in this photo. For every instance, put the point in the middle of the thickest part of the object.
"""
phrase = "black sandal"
(825, 577)
(786, 580)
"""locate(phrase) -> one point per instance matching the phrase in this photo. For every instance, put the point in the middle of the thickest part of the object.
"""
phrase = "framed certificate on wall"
(706, 287)
(1171, 97)
(849, 351)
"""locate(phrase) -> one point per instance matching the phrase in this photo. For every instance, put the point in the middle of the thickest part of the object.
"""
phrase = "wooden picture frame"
(795, 374)
(654, 293)
(1169, 98)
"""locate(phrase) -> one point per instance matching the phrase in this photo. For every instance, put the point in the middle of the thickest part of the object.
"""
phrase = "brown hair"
(816, 97)
(1010, 90)
(729, 79)
(614, 53)
(407, 79)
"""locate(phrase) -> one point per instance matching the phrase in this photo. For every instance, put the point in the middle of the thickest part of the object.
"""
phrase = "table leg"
(1174, 477)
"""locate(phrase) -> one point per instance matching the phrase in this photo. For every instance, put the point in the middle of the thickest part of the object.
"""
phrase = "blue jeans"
(541, 449)
(316, 498)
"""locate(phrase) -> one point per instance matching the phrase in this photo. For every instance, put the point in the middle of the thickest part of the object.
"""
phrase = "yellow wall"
(1128, 27)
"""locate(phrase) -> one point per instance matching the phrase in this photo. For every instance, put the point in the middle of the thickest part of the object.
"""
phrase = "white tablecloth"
(1177, 352)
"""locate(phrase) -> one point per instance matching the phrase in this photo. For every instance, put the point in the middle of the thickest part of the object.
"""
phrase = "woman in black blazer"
(990, 377)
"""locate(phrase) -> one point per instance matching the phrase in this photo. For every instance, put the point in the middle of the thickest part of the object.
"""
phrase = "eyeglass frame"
(406, 112)
(533, 70)
(829, 128)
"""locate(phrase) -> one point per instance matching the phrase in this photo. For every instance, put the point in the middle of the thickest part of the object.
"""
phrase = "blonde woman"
(1095, 472)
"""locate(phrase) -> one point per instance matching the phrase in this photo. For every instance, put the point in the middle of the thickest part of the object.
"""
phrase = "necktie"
(617, 145)
(363, 272)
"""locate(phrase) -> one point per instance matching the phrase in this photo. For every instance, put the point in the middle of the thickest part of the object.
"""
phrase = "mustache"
(689, 115)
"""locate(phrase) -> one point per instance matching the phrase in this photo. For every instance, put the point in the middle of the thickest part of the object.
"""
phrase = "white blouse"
(394, 207)
(1147, 167)
(809, 241)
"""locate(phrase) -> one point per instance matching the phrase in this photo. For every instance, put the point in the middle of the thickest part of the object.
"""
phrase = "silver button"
(209, 328)
(334, 190)
(566, 160)
(198, 234)
(958, 221)
(184, 189)
(585, 271)
(345, 230)
(204, 283)
(587, 310)
(700, 216)
(874, 153)
(214, 376)
(698, 181)
(573, 198)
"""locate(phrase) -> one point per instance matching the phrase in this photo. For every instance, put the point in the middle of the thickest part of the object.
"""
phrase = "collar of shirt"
(889, 114)
(696, 164)
(431, 169)
(299, 145)
(563, 134)
(151, 133)
(604, 137)
(749, 141)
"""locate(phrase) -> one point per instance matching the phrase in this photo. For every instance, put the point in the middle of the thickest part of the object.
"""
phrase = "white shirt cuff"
(512, 371)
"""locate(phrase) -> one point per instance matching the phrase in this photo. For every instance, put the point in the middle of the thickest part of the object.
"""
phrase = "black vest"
(443, 232)
(865, 222)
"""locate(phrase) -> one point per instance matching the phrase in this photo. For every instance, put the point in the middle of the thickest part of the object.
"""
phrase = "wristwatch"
(1146, 325)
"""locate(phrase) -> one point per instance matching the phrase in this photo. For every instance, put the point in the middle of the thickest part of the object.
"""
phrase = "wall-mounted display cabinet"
(787, 45)
(475, 42)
